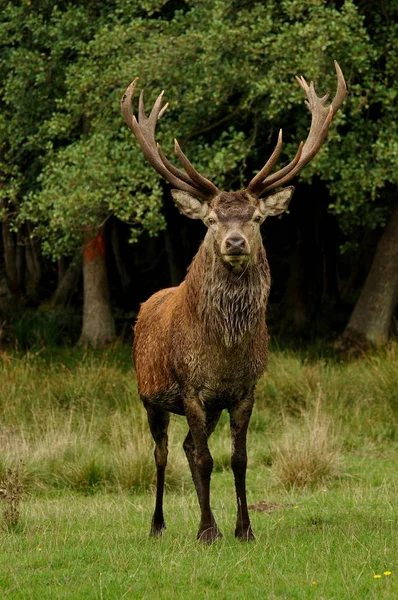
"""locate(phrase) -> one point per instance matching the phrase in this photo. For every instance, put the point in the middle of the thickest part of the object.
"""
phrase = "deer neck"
(228, 305)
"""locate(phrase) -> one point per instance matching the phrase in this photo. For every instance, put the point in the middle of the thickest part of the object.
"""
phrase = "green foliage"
(87, 181)
(68, 160)
(361, 168)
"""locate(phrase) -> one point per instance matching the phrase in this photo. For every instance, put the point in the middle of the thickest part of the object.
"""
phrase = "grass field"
(72, 425)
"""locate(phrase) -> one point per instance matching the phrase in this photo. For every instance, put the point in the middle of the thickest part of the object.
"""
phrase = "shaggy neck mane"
(228, 304)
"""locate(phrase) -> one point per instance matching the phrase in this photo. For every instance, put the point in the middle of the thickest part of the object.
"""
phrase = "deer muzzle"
(235, 249)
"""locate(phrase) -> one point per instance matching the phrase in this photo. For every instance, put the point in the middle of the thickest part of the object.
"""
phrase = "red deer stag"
(200, 348)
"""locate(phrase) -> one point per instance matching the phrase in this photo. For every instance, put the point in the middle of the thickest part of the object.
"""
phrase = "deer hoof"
(157, 529)
(209, 535)
(245, 534)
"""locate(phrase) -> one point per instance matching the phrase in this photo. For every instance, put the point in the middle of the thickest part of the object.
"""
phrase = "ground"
(73, 427)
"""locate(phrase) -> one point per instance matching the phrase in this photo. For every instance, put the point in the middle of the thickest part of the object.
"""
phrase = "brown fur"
(207, 336)
(200, 348)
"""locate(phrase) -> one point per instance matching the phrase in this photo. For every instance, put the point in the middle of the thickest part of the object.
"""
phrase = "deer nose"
(235, 244)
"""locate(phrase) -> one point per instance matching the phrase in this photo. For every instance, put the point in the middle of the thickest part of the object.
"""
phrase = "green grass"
(74, 546)
(71, 421)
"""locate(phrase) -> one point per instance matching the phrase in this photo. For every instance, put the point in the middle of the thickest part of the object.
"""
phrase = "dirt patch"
(269, 507)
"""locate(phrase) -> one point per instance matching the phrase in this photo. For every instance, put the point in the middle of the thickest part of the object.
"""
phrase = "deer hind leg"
(239, 420)
(158, 420)
(199, 425)
(189, 449)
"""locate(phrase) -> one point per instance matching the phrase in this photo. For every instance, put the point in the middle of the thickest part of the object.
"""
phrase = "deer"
(201, 347)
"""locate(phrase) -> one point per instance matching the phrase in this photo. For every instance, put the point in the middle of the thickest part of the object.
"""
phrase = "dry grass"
(79, 426)
(307, 452)
(11, 490)
(109, 451)
(361, 395)
(75, 420)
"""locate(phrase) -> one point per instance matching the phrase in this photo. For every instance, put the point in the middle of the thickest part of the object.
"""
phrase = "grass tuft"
(11, 490)
(307, 452)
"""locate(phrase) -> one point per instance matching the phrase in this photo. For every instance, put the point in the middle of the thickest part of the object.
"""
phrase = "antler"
(144, 130)
(321, 118)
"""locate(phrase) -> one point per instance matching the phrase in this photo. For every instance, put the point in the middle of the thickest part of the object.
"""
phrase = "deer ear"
(189, 205)
(276, 203)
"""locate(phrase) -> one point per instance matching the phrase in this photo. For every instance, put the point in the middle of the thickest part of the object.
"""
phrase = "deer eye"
(257, 219)
(211, 221)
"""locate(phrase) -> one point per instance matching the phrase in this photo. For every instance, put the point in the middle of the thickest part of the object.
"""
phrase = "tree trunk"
(20, 260)
(98, 322)
(61, 268)
(5, 301)
(296, 299)
(10, 252)
(67, 282)
(373, 312)
(33, 268)
(124, 273)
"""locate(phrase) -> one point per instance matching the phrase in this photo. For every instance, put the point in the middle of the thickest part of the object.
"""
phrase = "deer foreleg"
(202, 466)
(158, 420)
(239, 418)
(189, 449)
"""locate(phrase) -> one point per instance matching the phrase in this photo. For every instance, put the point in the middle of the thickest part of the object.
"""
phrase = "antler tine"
(184, 176)
(163, 110)
(172, 168)
(126, 103)
(269, 165)
(144, 131)
(275, 177)
(341, 88)
(156, 109)
(156, 113)
(196, 177)
(321, 118)
(141, 108)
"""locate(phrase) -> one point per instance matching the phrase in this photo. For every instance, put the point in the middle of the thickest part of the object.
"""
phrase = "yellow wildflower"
(376, 576)
(387, 573)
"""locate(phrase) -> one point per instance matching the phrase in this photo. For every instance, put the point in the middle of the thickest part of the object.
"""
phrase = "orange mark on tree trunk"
(95, 247)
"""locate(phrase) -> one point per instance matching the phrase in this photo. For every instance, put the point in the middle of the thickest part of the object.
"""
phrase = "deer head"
(233, 218)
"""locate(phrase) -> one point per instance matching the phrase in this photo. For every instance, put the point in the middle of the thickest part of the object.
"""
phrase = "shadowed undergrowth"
(75, 420)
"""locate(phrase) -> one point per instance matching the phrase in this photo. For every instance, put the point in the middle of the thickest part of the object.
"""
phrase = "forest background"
(89, 230)
(86, 222)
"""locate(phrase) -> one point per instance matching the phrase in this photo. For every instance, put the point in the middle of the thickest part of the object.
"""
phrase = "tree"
(98, 322)
(37, 41)
(223, 115)
(373, 312)
(228, 70)
(364, 179)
